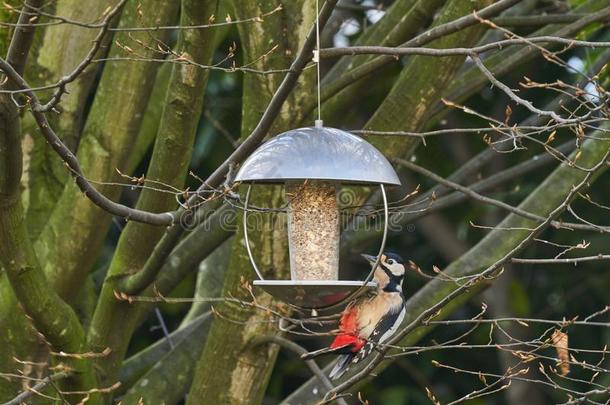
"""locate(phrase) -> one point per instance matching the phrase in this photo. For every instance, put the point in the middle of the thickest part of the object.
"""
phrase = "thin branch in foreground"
(571, 260)
(25, 395)
(444, 52)
(64, 20)
(488, 200)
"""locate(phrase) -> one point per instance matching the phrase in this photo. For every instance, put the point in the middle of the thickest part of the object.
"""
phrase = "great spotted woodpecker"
(369, 320)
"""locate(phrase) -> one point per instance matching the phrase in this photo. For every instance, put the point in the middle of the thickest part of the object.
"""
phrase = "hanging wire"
(316, 59)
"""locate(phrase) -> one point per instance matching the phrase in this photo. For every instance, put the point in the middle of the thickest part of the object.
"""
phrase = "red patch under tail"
(348, 331)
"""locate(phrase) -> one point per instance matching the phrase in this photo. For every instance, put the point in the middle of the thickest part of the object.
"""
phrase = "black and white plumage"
(370, 321)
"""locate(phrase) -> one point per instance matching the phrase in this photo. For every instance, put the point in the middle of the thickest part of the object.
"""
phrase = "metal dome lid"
(317, 153)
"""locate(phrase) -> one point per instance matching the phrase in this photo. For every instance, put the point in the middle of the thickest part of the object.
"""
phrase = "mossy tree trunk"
(54, 322)
(63, 47)
(169, 164)
(77, 227)
(20, 336)
(60, 49)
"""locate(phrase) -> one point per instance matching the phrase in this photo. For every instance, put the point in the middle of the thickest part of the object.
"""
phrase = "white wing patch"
(387, 326)
(395, 326)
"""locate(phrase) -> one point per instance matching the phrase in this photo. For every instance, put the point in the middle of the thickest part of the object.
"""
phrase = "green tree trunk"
(77, 227)
(169, 164)
(229, 371)
(54, 321)
(63, 47)
(172, 374)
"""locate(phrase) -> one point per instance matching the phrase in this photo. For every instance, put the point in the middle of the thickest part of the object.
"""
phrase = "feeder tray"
(313, 294)
(320, 159)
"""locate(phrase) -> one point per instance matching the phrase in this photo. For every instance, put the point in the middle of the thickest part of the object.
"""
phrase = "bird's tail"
(342, 365)
(326, 350)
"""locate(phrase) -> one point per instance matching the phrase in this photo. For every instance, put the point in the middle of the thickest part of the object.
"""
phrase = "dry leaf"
(560, 341)
(431, 397)
(361, 399)
(525, 357)
(577, 155)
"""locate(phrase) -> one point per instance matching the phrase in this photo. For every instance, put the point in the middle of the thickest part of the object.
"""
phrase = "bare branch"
(403, 51)
(567, 260)
(22, 397)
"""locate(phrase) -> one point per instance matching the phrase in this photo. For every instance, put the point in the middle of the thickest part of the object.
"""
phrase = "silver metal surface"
(317, 154)
(314, 294)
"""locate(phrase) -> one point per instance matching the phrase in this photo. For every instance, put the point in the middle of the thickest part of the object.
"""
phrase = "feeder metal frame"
(362, 284)
(325, 154)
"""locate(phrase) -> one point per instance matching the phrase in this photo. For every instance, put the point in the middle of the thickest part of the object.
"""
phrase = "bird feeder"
(313, 164)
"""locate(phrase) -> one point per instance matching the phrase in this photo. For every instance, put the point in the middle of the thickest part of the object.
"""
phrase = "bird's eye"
(391, 261)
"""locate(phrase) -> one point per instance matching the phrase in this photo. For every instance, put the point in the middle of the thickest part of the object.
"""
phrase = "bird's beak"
(369, 258)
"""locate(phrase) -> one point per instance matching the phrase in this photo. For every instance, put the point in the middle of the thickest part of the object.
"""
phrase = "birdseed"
(313, 230)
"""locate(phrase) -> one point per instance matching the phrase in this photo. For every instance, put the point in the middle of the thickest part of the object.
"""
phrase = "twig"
(63, 20)
(488, 200)
(23, 396)
(571, 260)
(510, 93)
(403, 51)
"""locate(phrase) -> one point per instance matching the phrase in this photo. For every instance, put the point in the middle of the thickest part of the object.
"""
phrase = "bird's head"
(390, 272)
